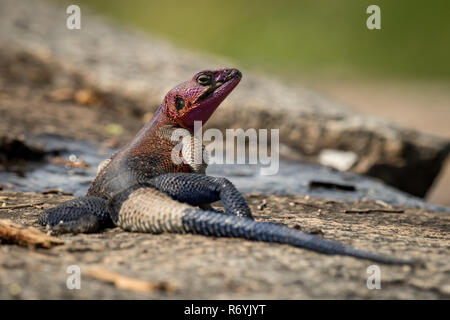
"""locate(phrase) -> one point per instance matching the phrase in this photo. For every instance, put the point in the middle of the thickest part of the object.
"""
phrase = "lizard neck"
(147, 139)
(155, 139)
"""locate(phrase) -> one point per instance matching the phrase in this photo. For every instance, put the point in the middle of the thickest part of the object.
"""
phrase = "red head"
(198, 98)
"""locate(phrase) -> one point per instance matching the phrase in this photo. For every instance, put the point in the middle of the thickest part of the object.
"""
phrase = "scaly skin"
(141, 189)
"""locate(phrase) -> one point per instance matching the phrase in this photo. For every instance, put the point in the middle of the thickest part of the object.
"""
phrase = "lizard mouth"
(222, 87)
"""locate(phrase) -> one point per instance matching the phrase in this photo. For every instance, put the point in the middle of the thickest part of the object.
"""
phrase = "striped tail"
(149, 210)
(219, 225)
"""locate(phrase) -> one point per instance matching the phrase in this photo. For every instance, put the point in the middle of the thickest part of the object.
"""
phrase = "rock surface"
(100, 85)
(116, 68)
(191, 267)
(196, 267)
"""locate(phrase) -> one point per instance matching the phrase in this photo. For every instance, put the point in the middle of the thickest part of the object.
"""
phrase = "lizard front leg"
(198, 190)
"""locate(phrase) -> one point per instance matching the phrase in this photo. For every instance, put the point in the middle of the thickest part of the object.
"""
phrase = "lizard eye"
(179, 103)
(204, 79)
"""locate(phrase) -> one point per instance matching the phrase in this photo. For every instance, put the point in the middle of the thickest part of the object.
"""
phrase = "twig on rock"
(126, 283)
(361, 211)
(11, 232)
(19, 206)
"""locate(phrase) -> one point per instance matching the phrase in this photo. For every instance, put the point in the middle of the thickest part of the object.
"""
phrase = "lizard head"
(198, 98)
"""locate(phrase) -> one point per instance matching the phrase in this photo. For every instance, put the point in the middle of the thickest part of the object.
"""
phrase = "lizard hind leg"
(80, 215)
(145, 209)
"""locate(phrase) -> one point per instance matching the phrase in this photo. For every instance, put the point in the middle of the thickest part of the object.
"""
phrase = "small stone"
(262, 205)
(86, 97)
(338, 159)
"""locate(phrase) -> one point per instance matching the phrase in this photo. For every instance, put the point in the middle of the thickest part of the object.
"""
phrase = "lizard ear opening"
(179, 103)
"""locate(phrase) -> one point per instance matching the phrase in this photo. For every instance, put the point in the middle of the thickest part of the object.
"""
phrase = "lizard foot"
(80, 215)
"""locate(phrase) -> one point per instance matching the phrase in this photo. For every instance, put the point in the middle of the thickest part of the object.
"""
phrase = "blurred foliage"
(302, 36)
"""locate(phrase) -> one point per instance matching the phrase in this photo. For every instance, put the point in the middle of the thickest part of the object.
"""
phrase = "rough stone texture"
(123, 68)
(211, 268)
(76, 84)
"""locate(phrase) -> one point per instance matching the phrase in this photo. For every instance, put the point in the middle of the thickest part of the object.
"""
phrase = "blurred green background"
(325, 37)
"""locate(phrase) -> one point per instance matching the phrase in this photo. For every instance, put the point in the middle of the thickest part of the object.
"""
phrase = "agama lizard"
(141, 189)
